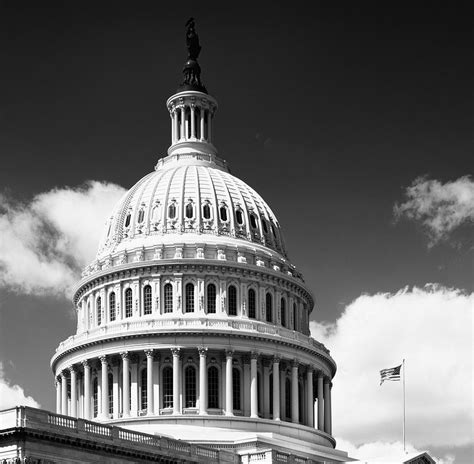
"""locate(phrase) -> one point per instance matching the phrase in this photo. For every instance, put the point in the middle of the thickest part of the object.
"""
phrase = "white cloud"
(385, 452)
(13, 395)
(431, 328)
(47, 241)
(440, 208)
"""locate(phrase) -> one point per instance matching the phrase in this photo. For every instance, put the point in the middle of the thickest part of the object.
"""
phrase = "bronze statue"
(191, 69)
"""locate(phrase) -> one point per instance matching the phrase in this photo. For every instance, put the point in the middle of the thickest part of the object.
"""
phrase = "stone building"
(192, 323)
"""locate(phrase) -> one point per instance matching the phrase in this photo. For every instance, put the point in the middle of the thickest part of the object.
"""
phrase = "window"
(156, 213)
(232, 300)
(99, 310)
(283, 312)
(206, 211)
(95, 397)
(288, 398)
(141, 216)
(236, 388)
(211, 299)
(265, 227)
(252, 303)
(295, 317)
(253, 221)
(147, 301)
(213, 387)
(127, 219)
(268, 307)
(128, 303)
(112, 306)
(223, 213)
(172, 211)
(239, 217)
(143, 390)
(111, 394)
(168, 298)
(189, 210)
(168, 387)
(189, 301)
(190, 387)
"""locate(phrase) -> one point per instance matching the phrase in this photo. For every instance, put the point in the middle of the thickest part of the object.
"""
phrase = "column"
(246, 362)
(229, 403)
(175, 126)
(202, 380)
(73, 411)
(294, 392)
(276, 388)
(176, 380)
(115, 389)
(183, 126)
(203, 112)
(149, 382)
(57, 384)
(104, 387)
(193, 123)
(125, 384)
(283, 411)
(209, 125)
(327, 405)
(134, 385)
(63, 394)
(87, 389)
(320, 402)
(266, 388)
(310, 396)
(156, 384)
(253, 386)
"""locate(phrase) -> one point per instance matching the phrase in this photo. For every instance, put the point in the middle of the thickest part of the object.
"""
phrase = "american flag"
(390, 374)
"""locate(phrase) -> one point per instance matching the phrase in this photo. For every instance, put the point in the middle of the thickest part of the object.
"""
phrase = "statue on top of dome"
(191, 69)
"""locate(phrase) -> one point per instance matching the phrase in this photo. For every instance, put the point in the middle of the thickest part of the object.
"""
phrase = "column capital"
(86, 363)
(125, 355)
(176, 351)
(72, 369)
(62, 374)
(276, 359)
(294, 363)
(229, 353)
(103, 359)
(149, 353)
(254, 355)
(202, 351)
(309, 369)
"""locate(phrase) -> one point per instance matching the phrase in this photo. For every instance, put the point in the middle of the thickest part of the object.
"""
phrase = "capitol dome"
(191, 320)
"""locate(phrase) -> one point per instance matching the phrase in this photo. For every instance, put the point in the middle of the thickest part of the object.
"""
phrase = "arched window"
(283, 312)
(236, 388)
(128, 303)
(95, 397)
(168, 387)
(252, 303)
(288, 397)
(239, 217)
(253, 221)
(206, 211)
(99, 310)
(190, 387)
(156, 213)
(295, 317)
(147, 301)
(111, 393)
(128, 219)
(211, 299)
(189, 210)
(189, 301)
(143, 390)
(168, 291)
(232, 300)
(141, 216)
(213, 387)
(269, 307)
(223, 213)
(112, 311)
(172, 211)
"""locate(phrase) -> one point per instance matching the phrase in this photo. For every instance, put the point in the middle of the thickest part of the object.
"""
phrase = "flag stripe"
(392, 374)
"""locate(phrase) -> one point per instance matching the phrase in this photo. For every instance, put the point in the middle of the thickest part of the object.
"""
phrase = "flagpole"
(404, 449)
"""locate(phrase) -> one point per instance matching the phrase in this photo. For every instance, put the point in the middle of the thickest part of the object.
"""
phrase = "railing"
(38, 419)
(201, 323)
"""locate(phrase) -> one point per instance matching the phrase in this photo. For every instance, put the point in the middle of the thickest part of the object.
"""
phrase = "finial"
(191, 69)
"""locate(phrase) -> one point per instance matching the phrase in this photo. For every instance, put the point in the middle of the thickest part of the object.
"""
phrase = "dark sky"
(328, 111)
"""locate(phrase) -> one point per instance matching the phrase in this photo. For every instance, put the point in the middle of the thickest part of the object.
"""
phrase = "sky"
(353, 121)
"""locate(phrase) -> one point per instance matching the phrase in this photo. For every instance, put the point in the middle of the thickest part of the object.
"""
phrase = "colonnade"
(248, 384)
(190, 122)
